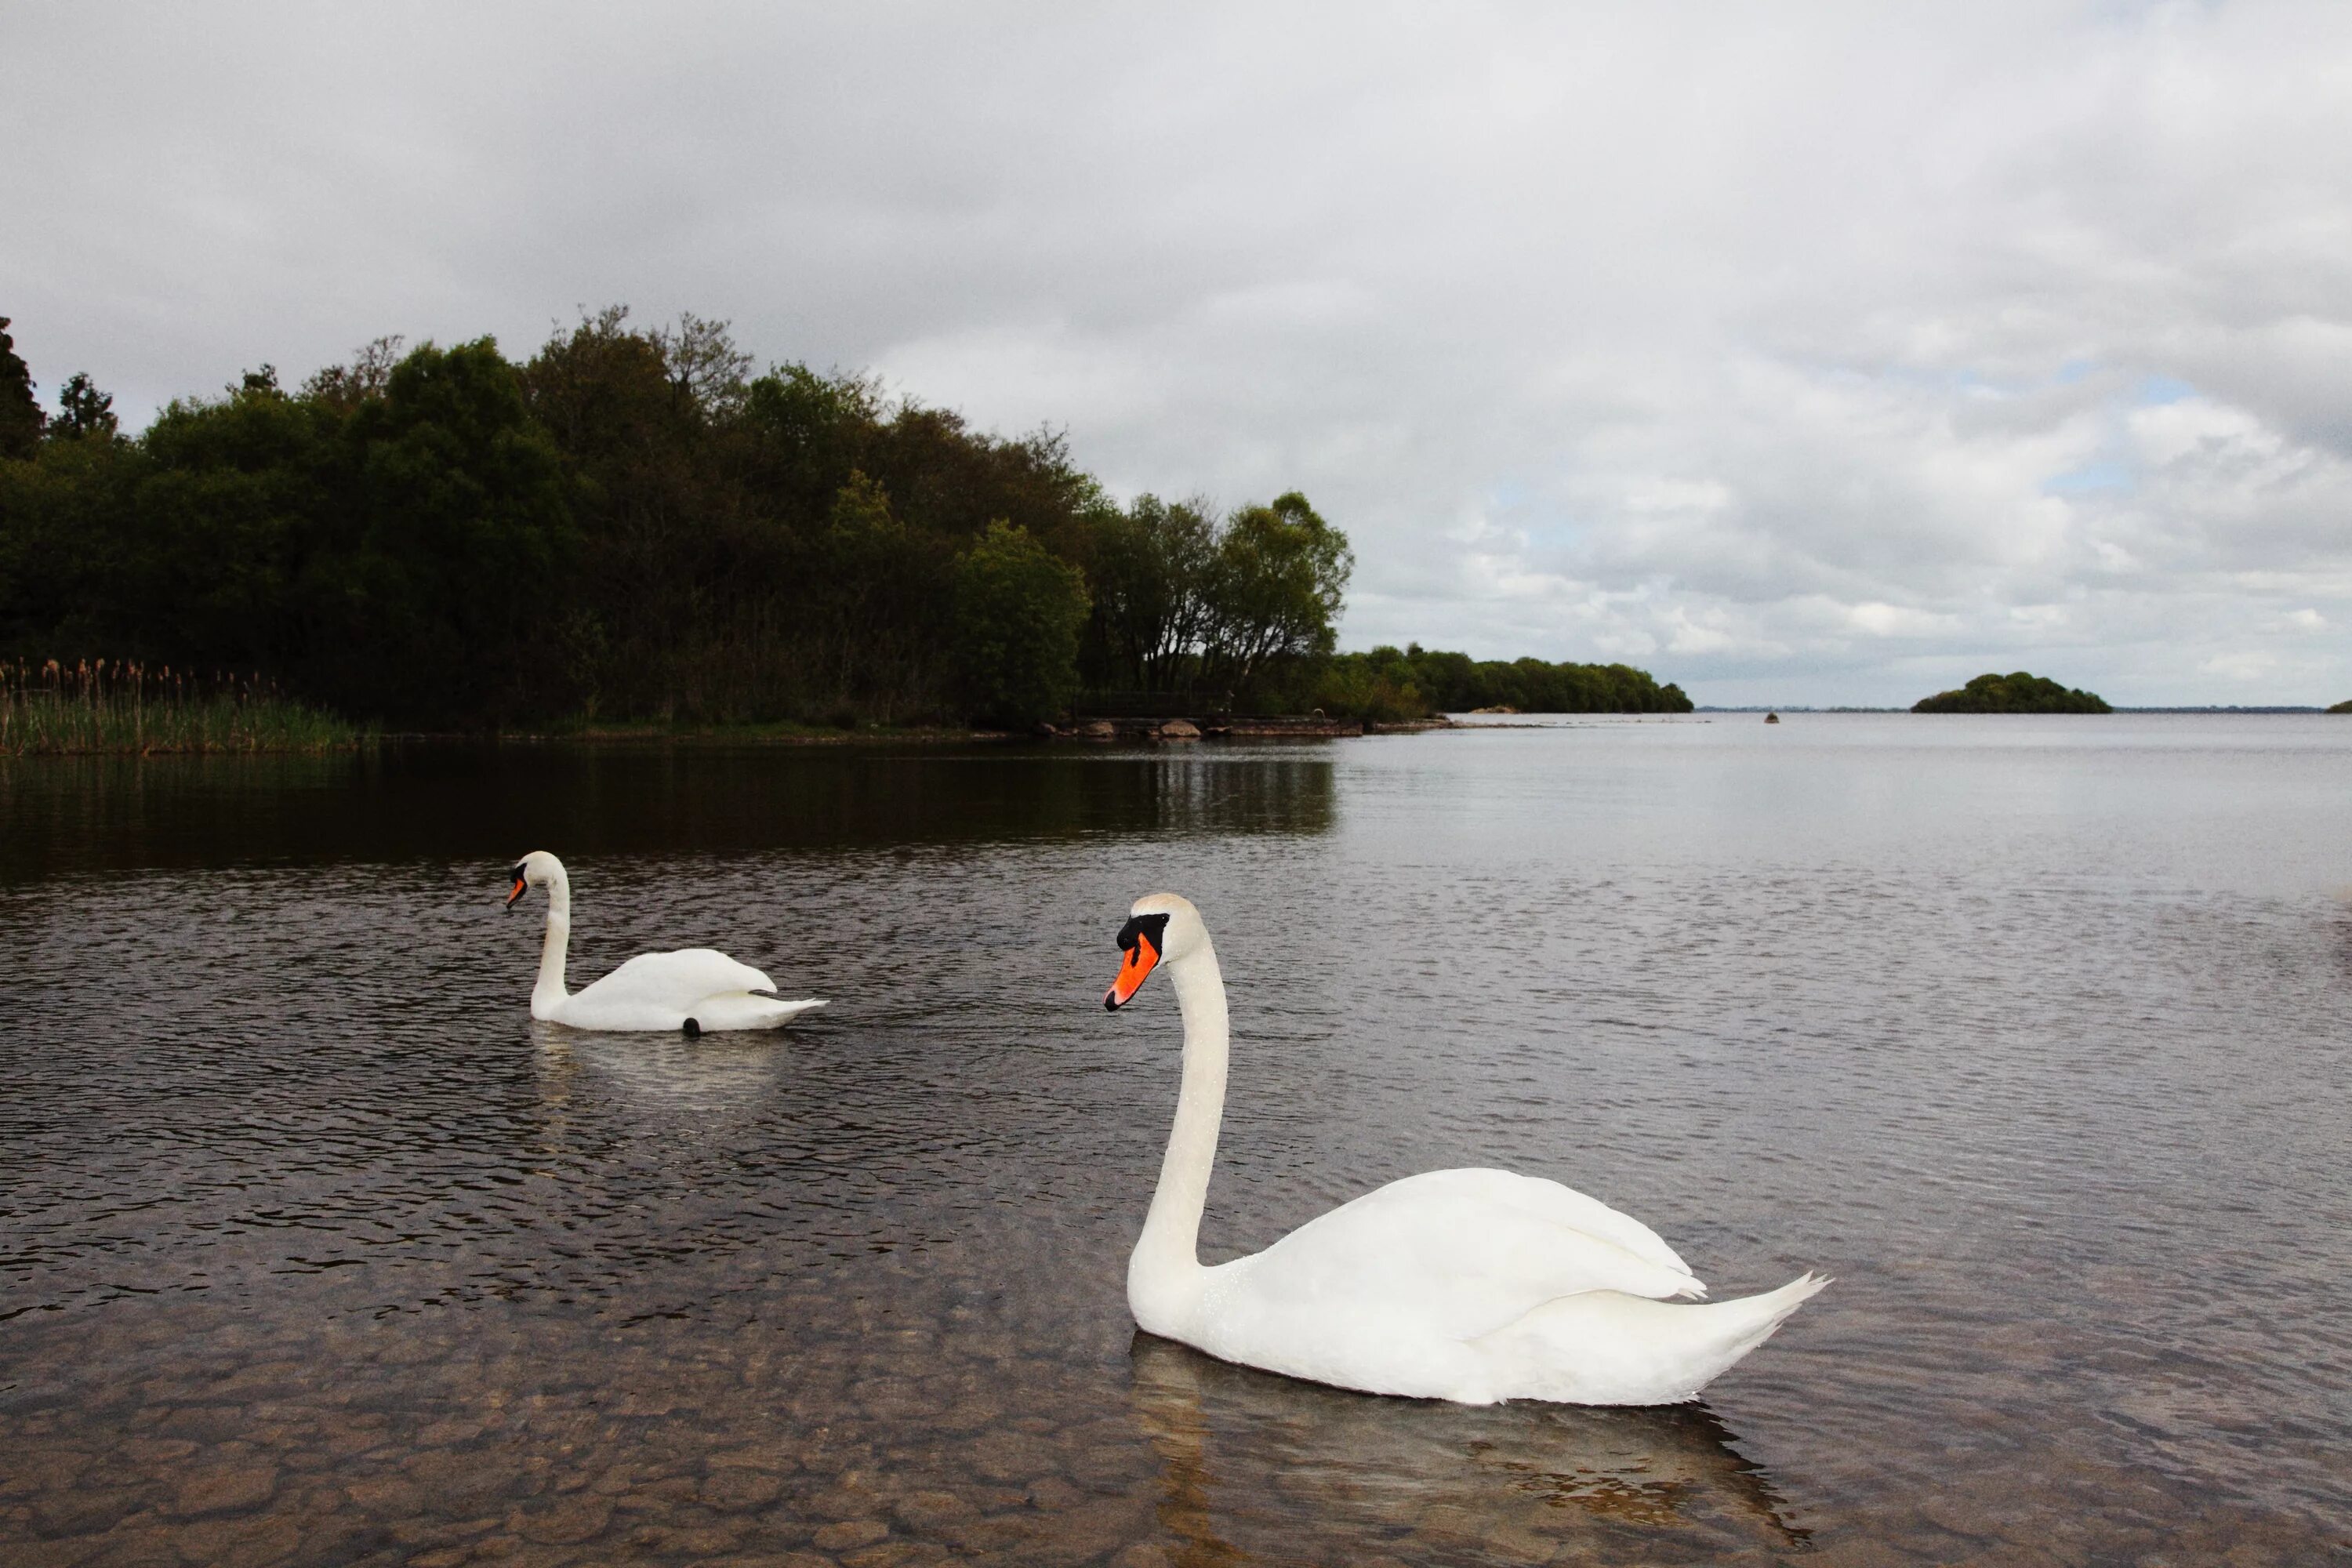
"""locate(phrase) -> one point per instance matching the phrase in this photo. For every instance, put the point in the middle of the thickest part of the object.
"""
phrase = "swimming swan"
(695, 989)
(1475, 1286)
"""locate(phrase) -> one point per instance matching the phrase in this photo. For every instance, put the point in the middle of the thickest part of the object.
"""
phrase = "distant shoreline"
(1794, 708)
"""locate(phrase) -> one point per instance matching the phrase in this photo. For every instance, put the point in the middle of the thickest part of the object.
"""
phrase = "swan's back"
(1438, 1259)
(660, 990)
(685, 976)
(1465, 1285)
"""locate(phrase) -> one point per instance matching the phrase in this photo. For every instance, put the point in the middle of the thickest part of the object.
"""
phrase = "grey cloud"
(1749, 342)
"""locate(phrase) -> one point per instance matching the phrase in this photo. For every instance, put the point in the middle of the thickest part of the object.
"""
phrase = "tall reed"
(123, 707)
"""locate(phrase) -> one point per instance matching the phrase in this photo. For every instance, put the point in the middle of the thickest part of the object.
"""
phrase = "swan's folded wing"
(1547, 1200)
(743, 1010)
(675, 980)
(1460, 1263)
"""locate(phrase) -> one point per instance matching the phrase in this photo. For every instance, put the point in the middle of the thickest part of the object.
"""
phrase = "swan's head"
(536, 870)
(1162, 927)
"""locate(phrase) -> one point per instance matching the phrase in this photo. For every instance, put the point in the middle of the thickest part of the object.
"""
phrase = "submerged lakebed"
(314, 1247)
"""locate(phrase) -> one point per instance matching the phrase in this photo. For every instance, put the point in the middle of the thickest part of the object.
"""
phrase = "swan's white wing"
(1459, 1252)
(685, 976)
(658, 990)
(1548, 1200)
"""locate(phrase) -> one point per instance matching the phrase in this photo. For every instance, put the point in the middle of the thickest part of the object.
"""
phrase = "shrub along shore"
(634, 529)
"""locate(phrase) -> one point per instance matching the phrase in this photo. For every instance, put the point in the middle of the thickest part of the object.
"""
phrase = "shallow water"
(314, 1247)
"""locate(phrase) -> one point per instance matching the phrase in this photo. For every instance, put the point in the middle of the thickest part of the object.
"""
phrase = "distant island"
(2340, 708)
(2014, 693)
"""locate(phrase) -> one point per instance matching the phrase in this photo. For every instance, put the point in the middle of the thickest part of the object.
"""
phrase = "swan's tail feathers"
(1603, 1347)
(747, 1010)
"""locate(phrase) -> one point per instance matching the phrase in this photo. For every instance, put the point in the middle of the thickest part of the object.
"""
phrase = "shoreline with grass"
(123, 708)
(120, 707)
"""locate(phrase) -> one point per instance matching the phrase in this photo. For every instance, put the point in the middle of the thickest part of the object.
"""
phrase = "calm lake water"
(314, 1247)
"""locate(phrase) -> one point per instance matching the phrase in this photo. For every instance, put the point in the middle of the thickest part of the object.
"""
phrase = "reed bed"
(123, 707)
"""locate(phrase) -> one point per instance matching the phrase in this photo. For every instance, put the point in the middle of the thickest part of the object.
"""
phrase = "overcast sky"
(1800, 353)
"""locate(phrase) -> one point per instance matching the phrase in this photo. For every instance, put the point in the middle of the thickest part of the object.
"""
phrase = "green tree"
(436, 598)
(1275, 589)
(1152, 566)
(71, 584)
(20, 412)
(1019, 610)
(343, 387)
(234, 499)
(83, 410)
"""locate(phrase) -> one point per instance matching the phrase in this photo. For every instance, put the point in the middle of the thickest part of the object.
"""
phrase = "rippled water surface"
(314, 1247)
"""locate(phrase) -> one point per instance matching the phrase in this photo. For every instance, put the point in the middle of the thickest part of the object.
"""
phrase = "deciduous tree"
(21, 418)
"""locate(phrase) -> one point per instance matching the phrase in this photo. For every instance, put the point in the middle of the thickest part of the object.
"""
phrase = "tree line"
(1389, 681)
(634, 523)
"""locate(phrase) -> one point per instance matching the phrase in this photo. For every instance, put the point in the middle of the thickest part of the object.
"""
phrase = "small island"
(2014, 693)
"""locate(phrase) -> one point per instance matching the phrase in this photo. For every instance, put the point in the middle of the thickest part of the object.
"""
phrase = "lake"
(2031, 1031)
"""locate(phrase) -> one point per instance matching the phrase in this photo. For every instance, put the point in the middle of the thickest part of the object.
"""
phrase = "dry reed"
(123, 707)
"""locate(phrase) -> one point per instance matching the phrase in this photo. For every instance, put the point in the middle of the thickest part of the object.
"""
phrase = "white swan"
(1474, 1285)
(695, 989)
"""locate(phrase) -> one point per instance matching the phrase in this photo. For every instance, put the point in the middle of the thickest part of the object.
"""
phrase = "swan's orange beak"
(519, 890)
(1141, 960)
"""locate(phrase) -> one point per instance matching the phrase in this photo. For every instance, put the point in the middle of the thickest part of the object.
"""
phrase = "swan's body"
(696, 989)
(1468, 1285)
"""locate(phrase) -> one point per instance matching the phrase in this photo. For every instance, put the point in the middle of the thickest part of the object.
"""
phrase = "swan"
(696, 989)
(1475, 1286)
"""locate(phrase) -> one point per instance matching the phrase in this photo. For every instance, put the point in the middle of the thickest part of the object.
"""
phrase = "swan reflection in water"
(1247, 1455)
(734, 1074)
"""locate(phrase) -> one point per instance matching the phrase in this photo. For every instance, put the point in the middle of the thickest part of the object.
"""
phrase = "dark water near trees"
(314, 1247)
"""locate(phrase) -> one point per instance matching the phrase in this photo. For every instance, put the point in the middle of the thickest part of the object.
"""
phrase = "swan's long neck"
(1162, 1274)
(549, 992)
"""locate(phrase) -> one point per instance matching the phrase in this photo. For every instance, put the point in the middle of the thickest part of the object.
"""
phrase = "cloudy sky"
(1801, 353)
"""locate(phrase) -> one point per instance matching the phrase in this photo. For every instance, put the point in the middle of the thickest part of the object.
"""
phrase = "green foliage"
(83, 410)
(1019, 611)
(69, 575)
(1275, 589)
(1391, 683)
(20, 412)
(635, 528)
(428, 597)
(2014, 693)
(1229, 610)
(228, 503)
(1152, 567)
(341, 388)
(1363, 685)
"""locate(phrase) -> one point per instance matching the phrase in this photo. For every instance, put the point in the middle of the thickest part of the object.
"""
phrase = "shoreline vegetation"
(635, 527)
(95, 708)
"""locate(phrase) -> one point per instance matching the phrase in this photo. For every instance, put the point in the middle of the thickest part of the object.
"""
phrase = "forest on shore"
(633, 524)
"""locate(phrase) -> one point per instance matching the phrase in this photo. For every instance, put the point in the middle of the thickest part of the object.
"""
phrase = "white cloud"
(1831, 354)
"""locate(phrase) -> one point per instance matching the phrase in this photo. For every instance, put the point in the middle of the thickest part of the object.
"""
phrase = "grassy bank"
(123, 709)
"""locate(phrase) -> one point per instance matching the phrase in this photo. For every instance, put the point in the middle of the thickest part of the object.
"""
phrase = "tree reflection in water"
(1255, 1468)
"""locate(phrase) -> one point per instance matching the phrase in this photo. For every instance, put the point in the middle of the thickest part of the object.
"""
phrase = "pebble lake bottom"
(2032, 1032)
